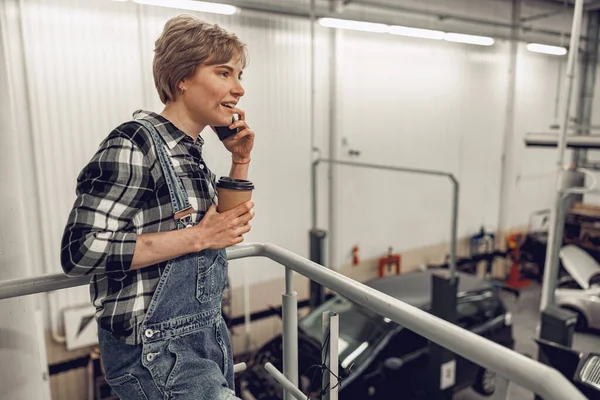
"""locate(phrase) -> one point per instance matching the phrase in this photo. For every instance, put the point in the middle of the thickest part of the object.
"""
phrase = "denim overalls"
(186, 350)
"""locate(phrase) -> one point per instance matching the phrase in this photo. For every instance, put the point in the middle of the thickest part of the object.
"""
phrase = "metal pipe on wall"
(588, 83)
(303, 12)
(455, 196)
(545, 15)
(333, 140)
(313, 70)
(449, 16)
(551, 264)
(509, 127)
(591, 166)
(558, 78)
(287, 10)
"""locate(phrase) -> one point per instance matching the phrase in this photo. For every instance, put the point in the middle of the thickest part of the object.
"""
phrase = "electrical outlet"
(80, 327)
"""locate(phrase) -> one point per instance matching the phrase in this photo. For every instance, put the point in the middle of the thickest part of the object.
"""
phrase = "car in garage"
(579, 289)
(379, 357)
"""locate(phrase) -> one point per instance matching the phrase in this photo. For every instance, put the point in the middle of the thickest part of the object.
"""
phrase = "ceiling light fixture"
(416, 32)
(214, 8)
(353, 25)
(545, 49)
(405, 31)
(469, 39)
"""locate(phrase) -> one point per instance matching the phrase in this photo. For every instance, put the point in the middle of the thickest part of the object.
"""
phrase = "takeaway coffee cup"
(233, 192)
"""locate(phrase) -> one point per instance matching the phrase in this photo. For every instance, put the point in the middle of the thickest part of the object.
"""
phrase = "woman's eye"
(225, 74)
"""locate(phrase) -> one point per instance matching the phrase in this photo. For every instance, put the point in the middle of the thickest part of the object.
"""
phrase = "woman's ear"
(181, 86)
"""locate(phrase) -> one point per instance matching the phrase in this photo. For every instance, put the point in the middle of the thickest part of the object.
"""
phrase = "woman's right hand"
(221, 230)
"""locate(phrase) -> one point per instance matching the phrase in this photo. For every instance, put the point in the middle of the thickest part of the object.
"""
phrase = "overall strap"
(181, 205)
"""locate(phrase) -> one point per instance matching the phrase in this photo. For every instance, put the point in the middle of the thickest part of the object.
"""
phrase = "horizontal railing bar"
(51, 282)
(285, 382)
(530, 374)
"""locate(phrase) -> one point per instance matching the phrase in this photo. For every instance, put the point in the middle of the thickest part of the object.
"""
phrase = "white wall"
(82, 62)
(400, 101)
(417, 104)
(425, 104)
(533, 172)
(23, 367)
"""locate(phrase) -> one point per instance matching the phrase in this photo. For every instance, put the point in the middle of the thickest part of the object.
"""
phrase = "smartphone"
(224, 132)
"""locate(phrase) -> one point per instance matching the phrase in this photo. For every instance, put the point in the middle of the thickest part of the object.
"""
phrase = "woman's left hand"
(240, 145)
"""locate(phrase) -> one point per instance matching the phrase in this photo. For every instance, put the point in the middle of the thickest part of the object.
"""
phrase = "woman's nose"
(238, 90)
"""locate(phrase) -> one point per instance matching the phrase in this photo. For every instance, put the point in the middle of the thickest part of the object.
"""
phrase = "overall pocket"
(212, 280)
(127, 387)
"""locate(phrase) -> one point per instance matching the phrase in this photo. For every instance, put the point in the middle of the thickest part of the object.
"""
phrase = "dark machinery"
(583, 369)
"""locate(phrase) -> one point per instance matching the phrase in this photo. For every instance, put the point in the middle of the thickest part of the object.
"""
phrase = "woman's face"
(212, 91)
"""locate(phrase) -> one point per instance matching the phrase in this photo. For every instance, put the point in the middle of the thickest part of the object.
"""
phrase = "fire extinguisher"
(355, 258)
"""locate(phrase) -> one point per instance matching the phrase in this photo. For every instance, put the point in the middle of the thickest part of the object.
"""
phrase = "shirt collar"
(168, 131)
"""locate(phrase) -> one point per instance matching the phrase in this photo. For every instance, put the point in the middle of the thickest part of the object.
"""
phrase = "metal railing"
(530, 374)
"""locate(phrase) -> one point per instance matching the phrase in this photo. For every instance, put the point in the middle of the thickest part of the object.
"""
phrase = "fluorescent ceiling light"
(353, 25)
(469, 39)
(543, 48)
(405, 31)
(193, 5)
(415, 32)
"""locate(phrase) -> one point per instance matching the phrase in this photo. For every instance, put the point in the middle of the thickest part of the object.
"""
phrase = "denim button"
(150, 357)
(149, 333)
(201, 166)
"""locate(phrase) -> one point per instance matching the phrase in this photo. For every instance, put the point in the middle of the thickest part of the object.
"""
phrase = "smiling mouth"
(228, 105)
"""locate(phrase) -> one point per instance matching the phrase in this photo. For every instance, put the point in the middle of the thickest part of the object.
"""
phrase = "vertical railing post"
(551, 266)
(289, 302)
(454, 225)
(317, 254)
(331, 330)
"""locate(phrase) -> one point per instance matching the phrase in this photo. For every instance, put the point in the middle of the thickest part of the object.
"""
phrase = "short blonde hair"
(185, 43)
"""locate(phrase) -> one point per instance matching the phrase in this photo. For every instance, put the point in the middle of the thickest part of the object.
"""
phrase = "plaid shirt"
(121, 193)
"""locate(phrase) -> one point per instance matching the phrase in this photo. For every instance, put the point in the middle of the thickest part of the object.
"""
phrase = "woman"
(157, 285)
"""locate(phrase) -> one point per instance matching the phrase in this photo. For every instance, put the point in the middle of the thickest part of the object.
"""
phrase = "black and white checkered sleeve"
(100, 236)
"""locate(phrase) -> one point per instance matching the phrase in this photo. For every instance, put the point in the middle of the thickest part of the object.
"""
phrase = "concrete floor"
(525, 310)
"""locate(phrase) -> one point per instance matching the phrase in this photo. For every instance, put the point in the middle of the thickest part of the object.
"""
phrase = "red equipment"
(514, 242)
(387, 264)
